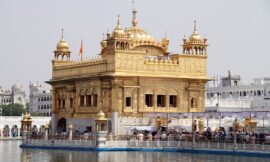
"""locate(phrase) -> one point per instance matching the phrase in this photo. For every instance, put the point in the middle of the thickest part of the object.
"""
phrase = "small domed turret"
(62, 49)
(118, 30)
(62, 45)
(195, 45)
(101, 116)
(103, 44)
(195, 35)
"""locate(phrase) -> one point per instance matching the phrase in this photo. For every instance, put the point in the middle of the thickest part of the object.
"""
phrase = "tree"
(12, 110)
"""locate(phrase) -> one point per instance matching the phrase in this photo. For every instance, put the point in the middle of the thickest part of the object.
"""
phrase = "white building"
(230, 94)
(15, 95)
(9, 124)
(40, 99)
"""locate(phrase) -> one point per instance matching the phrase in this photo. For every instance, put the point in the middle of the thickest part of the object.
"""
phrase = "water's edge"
(162, 149)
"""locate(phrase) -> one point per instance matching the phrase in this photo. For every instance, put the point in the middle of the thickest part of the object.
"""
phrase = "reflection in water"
(10, 152)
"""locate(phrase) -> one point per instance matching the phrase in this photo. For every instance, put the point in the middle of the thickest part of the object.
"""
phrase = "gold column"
(84, 101)
(167, 102)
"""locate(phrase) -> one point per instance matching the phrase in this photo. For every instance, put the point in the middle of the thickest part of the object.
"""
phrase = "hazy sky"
(238, 32)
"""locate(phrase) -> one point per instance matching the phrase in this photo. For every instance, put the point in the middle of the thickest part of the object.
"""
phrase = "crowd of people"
(211, 136)
(170, 135)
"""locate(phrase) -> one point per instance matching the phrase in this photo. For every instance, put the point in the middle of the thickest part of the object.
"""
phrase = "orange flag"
(81, 50)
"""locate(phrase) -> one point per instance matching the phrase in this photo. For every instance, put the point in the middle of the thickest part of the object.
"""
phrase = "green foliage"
(35, 114)
(12, 110)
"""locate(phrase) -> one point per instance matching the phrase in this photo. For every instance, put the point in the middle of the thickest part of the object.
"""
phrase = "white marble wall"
(16, 120)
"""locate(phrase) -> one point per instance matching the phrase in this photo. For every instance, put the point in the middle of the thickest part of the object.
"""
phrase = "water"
(10, 152)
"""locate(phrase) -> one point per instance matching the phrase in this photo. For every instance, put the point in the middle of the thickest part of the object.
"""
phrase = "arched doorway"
(61, 125)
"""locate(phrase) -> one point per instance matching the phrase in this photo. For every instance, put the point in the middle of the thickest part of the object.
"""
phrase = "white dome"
(17, 87)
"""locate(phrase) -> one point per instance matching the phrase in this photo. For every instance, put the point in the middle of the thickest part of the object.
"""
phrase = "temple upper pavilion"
(134, 81)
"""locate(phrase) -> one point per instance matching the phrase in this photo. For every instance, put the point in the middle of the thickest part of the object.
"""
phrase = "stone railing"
(79, 62)
(85, 67)
(157, 61)
(149, 144)
(62, 143)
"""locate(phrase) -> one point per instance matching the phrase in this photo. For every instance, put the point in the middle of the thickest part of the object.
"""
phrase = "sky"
(238, 32)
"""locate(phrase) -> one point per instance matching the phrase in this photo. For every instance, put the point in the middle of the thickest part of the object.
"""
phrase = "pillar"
(114, 123)
(70, 127)
(19, 132)
(167, 102)
(46, 133)
(10, 131)
(234, 140)
(84, 100)
(54, 122)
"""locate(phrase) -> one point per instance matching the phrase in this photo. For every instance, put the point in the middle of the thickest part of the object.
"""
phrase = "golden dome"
(62, 45)
(101, 116)
(26, 117)
(195, 35)
(139, 35)
(118, 30)
(103, 43)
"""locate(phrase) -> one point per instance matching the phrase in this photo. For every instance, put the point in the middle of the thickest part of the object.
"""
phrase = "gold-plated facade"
(134, 75)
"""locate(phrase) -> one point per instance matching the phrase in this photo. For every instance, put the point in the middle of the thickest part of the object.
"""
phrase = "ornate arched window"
(118, 45)
(194, 102)
(122, 46)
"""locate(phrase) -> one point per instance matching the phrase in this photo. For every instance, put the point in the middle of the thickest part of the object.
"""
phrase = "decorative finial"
(118, 21)
(62, 33)
(195, 27)
(165, 34)
(108, 33)
(134, 21)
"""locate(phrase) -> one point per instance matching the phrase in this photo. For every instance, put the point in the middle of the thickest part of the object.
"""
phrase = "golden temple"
(134, 75)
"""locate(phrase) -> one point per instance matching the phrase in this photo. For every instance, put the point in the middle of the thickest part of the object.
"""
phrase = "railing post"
(46, 134)
(193, 139)
(218, 145)
(262, 146)
(244, 147)
(179, 143)
(235, 141)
